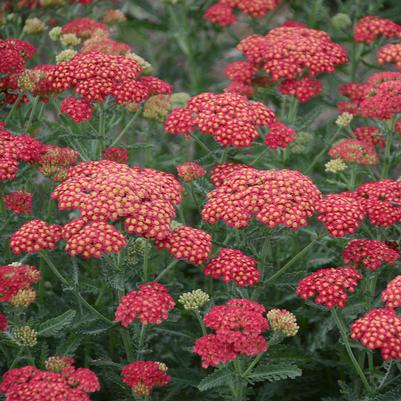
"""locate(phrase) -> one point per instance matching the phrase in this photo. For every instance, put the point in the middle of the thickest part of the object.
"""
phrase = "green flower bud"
(26, 336)
(194, 300)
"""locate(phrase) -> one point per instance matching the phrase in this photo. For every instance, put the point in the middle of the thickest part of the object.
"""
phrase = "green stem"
(201, 323)
(292, 261)
(13, 107)
(387, 153)
(344, 336)
(252, 365)
(166, 270)
(204, 147)
(146, 263)
(127, 343)
(127, 127)
(260, 155)
(34, 104)
(61, 278)
(141, 341)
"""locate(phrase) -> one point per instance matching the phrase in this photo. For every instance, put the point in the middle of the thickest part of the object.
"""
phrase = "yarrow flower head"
(15, 278)
(354, 151)
(238, 326)
(25, 336)
(65, 55)
(58, 363)
(391, 296)
(222, 12)
(187, 243)
(143, 376)
(233, 265)
(283, 322)
(379, 329)
(119, 155)
(279, 136)
(79, 110)
(341, 213)
(370, 135)
(329, 286)
(70, 384)
(194, 300)
(35, 236)
(13, 55)
(150, 303)
(302, 89)
(274, 197)
(92, 239)
(369, 253)
(190, 171)
(344, 120)
(113, 17)
(83, 27)
(229, 118)
(106, 190)
(23, 298)
(33, 26)
(19, 202)
(370, 27)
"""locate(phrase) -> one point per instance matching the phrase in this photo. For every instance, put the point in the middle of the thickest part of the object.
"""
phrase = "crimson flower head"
(231, 119)
(233, 265)
(114, 153)
(150, 303)
(341, 213)
(79, 110)
(16, 277)
(27, 382)
(329, 286)
(187, 243)
(302, 89)
(370, 27)
(35, 236)
(279, 136)
(143, 376)
(274, 197)
(370, 135)
(354, 151)
(84, 27)
(381, 201)
(190, 171)
(391, 296)
(103, 44)
(19, 202)
(369, 253)
(379, 329)
(238, 326)
(13, 55)
(106, 190)
(93, 239)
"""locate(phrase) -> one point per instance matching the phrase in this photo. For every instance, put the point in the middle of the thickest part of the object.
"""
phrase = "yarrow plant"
(199, 200)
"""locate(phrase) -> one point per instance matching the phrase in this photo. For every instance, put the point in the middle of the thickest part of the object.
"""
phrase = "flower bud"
(55, 33)
(23, 298)
(70, 39)
(194, 300)
(65, 55)
(283, 321)
(26, 336)
(335, 166)
(344, 120)
(58, 363)
(341, 21)
(34, 25)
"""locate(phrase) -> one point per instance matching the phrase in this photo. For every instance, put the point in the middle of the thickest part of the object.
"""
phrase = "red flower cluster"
(341, 213)
(92, 240)
(29, 383)
(369, 253)
(143, 376)
(370, 27)
(150, 304)
(233, 265)
(391, 296)
(14, 149)
(35, 236)
(379, 329)
(273, 196)
(190, 171)
(79, 110)
(240, 71)
(238, 326)
(222, 12)
(13, 55)
(119, 155)
(303, 89)
(390, 54)
(96, 75)
(103, 44)
(379, 97)
(230, 118)
(329, 286)
(84, 27)
(294, 54)
(56, 161)
(3, 322)
(19, 202)
(105, 190)
(279, 136)
(370, 135)
(187, 243)
(16, 277)
(382, 201)
(354, 151)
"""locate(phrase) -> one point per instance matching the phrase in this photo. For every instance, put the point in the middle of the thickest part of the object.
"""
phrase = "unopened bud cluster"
(194, 300)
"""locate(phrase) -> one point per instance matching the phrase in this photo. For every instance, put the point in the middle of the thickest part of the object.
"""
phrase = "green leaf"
(53, 326)
(273, 373)
(216, 379)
